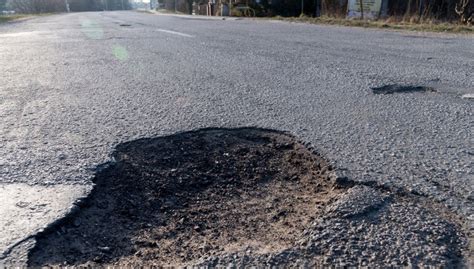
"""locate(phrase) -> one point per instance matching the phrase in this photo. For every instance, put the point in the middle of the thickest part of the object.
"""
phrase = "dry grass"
(411, 24)
(167, 11)
(6, 18)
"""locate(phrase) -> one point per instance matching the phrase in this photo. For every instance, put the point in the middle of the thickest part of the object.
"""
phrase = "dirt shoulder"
(428, 26)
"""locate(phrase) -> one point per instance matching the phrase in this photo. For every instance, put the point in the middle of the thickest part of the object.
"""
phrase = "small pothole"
(395, 88)
(125, 25)
(468, 96)
(173, 200)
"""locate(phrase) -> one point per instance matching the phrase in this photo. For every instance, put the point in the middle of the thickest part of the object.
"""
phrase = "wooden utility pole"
(361, 2)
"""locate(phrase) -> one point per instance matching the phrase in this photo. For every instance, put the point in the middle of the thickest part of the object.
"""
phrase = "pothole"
(468, 96)
(173, 200)
(395, 88)
(125, 25)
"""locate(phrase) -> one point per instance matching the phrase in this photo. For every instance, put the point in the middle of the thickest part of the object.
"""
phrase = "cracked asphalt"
(73, 86)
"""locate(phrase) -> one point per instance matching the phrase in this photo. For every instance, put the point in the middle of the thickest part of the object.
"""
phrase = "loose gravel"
(170, 201)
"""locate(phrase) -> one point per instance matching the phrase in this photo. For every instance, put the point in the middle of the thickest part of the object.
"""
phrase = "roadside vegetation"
(412, 24)
(55, 6)
(6, 18)
(417, 15)
(167, 11)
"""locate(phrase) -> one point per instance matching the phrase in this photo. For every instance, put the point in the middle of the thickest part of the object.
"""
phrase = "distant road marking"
(174, 33)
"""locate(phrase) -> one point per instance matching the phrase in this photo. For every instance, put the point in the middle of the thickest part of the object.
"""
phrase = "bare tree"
(36, 6)
(464, 11)
(21, 6)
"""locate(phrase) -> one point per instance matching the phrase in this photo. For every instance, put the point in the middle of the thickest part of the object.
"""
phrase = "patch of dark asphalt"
(246, 196)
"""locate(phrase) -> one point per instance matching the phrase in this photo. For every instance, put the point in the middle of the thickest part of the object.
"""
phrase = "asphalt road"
(73, 86)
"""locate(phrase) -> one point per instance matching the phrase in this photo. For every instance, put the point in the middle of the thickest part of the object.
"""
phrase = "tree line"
(47, 6)
(430, 9)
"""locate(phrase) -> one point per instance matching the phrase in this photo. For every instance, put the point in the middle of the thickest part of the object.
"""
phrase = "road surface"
(72, 86)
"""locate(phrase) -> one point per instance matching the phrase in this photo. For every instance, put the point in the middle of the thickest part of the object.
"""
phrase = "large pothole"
(245, 197)
(176, 199)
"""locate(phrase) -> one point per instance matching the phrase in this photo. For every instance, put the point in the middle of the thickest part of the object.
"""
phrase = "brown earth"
(173, 200)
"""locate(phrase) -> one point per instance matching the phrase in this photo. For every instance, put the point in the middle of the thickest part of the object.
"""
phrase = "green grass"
(390, 23)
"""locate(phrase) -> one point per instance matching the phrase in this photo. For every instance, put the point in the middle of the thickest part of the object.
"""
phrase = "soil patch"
(173, 200)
